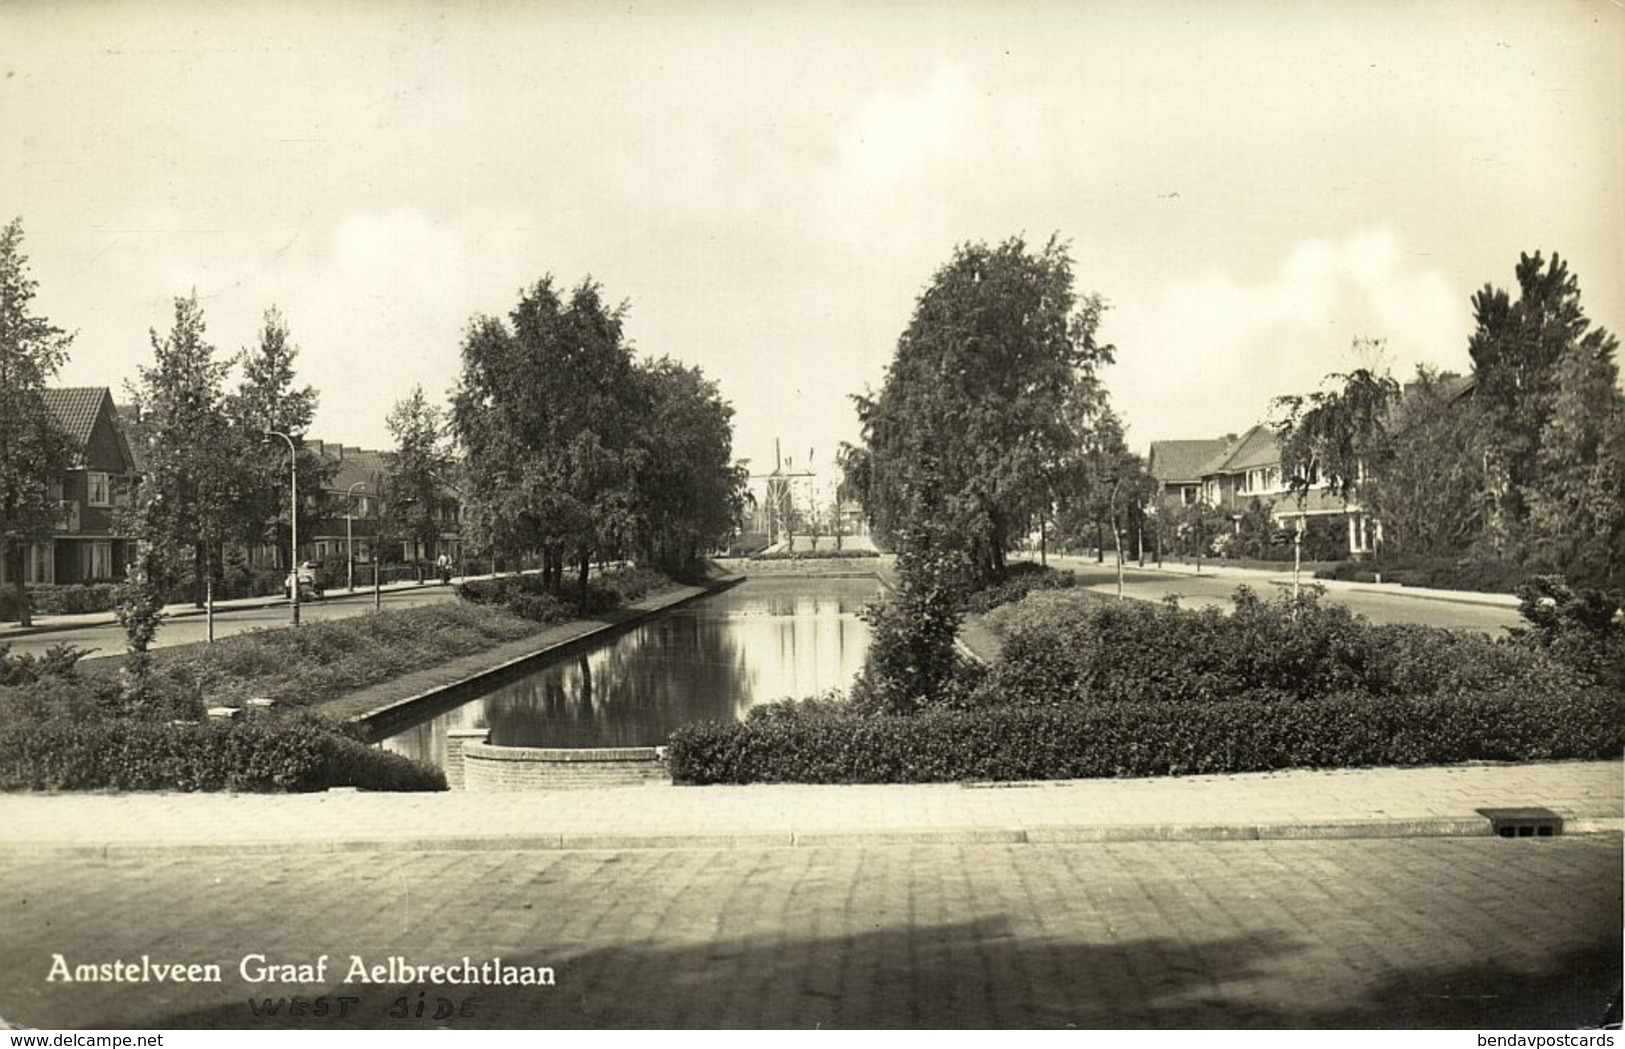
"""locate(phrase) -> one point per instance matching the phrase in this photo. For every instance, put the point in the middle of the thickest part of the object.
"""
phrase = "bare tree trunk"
(1117, 540)
(15, 554)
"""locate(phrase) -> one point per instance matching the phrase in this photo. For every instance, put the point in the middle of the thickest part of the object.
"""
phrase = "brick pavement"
(1301, 804)
(1449, 933)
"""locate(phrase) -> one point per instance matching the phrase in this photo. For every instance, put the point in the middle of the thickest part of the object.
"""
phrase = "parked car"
(310, 582)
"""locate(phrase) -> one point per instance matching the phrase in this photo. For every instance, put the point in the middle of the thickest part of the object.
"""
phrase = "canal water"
(713, 659)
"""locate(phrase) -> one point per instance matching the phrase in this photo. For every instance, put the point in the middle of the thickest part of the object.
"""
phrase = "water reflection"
(763, 640)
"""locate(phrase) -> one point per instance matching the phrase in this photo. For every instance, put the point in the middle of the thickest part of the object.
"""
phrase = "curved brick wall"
(484, 767)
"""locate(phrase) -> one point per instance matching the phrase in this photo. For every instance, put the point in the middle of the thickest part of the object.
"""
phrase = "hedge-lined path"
(1295, 804)
(1440, 933)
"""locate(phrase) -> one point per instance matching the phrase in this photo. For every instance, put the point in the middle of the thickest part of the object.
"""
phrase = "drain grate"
(1524, 823)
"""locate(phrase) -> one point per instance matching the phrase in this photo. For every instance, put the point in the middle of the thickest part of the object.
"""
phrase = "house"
(1235, 473)
(87, 547)
(1249, 471)
(353, 498)
(1177, 468)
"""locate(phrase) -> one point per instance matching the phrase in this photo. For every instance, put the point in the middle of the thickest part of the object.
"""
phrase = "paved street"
(1406, 933)
(107, 639)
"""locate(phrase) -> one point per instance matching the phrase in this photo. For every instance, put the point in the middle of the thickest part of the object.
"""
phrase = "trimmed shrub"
(59, 600)
(1019, 580)
(530, 597)
(821, 554)
(129, 754)
(1489, 577)
(826, 743)
(1087, 648)
(1581, 628)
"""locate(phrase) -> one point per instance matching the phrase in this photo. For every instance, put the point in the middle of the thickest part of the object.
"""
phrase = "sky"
(1251, 186)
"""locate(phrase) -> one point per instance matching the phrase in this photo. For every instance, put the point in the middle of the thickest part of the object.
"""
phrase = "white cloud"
(1207, 355)
(895, 134)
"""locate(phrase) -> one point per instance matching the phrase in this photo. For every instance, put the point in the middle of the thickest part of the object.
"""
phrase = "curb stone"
(1318, 830)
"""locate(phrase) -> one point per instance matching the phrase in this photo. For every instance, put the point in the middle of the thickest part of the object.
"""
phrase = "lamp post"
(349, 532)
(293, 518)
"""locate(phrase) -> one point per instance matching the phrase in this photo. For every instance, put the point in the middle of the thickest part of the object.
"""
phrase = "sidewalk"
(46, 623)
(1361, 803)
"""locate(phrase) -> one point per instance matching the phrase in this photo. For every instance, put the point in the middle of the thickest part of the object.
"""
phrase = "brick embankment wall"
(487, 768)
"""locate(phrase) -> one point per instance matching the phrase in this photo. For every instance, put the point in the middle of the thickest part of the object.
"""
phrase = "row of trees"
(569, 448)
(575, 451)
(1523, 461)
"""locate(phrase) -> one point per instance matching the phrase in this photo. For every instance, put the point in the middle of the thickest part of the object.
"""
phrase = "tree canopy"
(1548, 386)
(33, 449)
(573, 449)
(414, 484)
(992, 388)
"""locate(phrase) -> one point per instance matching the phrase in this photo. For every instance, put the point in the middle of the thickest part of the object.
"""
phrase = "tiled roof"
(356, 466)
(1254, 448)
(1176, 461)
(76, 409)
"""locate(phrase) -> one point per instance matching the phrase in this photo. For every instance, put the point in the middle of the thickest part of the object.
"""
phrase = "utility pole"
(293, 518)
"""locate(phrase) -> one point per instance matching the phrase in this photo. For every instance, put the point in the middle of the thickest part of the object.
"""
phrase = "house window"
(39, 564)
(53, 489)
(99, 492)
(95, 561)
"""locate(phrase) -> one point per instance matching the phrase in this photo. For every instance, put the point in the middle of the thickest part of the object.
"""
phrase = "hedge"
(821, 744)
(1082, 647)
(828, 553)
(59, 599)
(1016, 582)
(131, 754)
(1492, 577)
(528, 596)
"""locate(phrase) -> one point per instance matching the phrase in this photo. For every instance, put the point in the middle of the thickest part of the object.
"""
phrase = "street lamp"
(349, 532)
(293, 517)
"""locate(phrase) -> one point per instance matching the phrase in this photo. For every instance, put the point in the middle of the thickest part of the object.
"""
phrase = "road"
(108, 639)
(1214, 590)
(1194, 592)
(1439, 933)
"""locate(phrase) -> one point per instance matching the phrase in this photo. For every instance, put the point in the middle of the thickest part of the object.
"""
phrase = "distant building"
(1177, 467)
(1246, 470)
(352, 503)
(87, 547)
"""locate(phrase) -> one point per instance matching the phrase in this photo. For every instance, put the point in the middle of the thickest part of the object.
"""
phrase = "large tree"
(992, 387)
(269, 398)
(1519, 348)
(688, 491)
(1429, 491)
(33, 449)
(193, 488)
(414, 486)
(549, 433)
(1576, 501)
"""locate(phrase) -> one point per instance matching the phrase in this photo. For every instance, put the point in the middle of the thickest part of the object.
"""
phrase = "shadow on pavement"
(971, 975)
